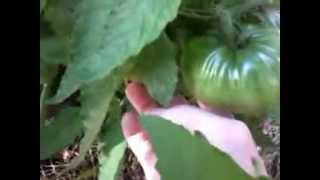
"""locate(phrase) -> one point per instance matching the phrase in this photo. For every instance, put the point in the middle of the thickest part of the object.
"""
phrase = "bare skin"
(219, 128)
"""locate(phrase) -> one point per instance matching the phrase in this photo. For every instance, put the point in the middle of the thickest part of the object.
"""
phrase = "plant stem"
(194, 15)
(227, 26)
(43, 95)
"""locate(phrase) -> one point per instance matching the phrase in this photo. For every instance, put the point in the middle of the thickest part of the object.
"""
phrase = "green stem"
(227, 26)
(43, 96)
(243, 38)
(194, 15)
(181, 36)
(201, 11)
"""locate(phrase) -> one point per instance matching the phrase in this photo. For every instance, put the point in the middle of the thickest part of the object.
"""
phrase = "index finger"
(139, 97)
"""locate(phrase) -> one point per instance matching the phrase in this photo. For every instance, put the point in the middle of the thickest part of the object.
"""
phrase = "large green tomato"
(242, 80)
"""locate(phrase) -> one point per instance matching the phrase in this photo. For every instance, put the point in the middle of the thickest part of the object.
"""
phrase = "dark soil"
(131, 169)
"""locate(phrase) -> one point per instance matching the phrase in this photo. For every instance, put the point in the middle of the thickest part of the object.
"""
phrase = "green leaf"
(188, 157)
(113, 152)
(107, 33)
(95, 100)
(111, 161)
(55, 50)
(62, 131)
(157, 70)
(59, 13)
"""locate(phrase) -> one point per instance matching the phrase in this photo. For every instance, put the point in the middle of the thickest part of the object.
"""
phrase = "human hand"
(220, 129)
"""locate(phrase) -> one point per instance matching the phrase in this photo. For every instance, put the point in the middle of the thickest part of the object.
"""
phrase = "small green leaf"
(157, 70)
(63, 130)
(55, 50)
(107, 32)
(113, 152)
(110, 162)
(188, 157)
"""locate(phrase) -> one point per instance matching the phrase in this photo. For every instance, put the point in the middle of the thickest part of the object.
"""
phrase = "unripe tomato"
(245, 79)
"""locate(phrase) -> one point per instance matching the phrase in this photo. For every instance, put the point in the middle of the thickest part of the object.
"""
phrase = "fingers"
(138, 142)
(219, 127)
(130, 125)
(139, 97)
(143, 151)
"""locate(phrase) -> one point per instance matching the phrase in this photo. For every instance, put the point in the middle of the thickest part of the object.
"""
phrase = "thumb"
(138, 142)
(139, 97)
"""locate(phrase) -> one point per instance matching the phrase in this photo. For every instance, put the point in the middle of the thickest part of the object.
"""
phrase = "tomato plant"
(225, 52)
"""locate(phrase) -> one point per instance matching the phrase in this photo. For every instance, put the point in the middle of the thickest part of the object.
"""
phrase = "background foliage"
(90, 47)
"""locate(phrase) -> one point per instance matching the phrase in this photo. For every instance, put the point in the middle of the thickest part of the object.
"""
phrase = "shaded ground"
(271, 155)
(131, 169)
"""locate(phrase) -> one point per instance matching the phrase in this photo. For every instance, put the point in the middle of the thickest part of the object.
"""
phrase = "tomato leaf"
(113, 152)
(157, 70)
(111, 160)
(189, 157)
(63, 130)
(59, 13)
(107, 33)
(95, 100)
(55, 50)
